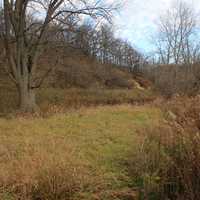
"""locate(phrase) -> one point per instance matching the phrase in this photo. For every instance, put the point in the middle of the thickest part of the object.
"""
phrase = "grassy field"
(79, 155)
(100, 145)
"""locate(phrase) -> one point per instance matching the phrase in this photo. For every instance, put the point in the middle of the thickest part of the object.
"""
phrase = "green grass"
(102, 138)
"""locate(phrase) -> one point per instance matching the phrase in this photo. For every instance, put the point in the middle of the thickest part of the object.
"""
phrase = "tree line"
(97, 41)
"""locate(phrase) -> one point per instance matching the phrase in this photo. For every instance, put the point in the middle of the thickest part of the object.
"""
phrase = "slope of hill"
(78, 80)
(71, 68)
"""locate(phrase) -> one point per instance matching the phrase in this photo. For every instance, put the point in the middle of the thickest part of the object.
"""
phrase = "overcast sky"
(136, 21)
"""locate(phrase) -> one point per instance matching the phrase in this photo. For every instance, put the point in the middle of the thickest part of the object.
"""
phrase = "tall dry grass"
(166, 159)
(59, 100)
(76, 98)
(43, 168)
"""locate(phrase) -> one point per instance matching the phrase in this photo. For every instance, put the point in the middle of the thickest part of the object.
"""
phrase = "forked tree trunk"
(27, 99)
(24, 41)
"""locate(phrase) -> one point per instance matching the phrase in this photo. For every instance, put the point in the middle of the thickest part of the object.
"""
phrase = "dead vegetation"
(170, 154)
(40, 169)
(102, 132)
(78, 155)
(175, 79)
(81, 71)
(51, 100)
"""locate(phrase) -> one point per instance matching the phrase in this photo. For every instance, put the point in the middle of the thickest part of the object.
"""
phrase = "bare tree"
(176, 33)
(26, 33)
(104, 46)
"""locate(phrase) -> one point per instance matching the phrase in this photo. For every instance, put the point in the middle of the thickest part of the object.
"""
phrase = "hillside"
(79, 80)
(72, 68)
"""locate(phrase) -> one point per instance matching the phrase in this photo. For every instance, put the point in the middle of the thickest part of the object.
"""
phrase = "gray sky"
(136, 22)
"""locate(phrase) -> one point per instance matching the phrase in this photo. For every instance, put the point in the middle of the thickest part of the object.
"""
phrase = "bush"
(118, 79)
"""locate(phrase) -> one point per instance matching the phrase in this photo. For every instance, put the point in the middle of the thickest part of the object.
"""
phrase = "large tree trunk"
(27, 100)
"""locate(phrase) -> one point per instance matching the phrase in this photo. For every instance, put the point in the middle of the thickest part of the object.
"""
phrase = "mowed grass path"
(100, 140)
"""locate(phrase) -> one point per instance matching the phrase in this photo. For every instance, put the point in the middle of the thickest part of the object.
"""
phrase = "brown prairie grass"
(43, 168)
(62, 100)
(166, 159)
(59, 100)
(78, 155)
